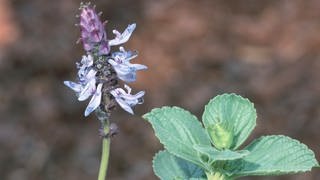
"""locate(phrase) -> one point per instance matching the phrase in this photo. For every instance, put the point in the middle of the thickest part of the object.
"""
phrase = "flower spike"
(99, 70)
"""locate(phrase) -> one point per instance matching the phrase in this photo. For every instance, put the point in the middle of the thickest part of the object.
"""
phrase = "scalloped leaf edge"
(158, 110)
(273, 173)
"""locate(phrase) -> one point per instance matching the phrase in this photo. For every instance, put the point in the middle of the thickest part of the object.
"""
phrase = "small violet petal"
(88, 90)
(74, 86)
(91, 74)
(138, 67)
(123, 55)
(87, 61)
(125, 106)
(124, 37)
(95, 101)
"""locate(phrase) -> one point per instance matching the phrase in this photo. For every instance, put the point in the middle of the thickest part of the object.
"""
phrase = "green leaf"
(209, 154)
(179, 131)
(229, 120)
(274, 155)
(167, 166)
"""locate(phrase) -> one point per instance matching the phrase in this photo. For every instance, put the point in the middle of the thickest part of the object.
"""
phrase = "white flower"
(126, 100)
(86, 86)
(95, 101)
(88, 90)
(87, 61)
(121, 64)
(74, 86)
(124, 37)
(84, 67)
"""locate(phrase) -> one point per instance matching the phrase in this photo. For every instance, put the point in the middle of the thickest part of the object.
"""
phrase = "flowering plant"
(192, 150)
(99, 72)
(212, 152)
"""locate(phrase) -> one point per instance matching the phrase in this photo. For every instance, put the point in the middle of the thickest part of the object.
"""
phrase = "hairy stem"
(105, 152)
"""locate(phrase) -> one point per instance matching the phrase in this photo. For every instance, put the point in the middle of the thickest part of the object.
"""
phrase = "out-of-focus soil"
(267, 51)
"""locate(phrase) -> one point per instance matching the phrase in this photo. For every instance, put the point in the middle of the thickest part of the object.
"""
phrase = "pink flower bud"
(92, 30)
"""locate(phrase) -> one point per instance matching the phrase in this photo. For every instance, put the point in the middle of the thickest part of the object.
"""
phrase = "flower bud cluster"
(93, 34)
(100, 70)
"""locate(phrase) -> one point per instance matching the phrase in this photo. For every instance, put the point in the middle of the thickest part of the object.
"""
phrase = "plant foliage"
(193, 150)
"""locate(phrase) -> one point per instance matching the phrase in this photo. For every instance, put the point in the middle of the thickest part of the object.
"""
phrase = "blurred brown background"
(267, 51)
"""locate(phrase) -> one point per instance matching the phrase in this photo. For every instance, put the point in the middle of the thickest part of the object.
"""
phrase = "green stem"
(105, 153)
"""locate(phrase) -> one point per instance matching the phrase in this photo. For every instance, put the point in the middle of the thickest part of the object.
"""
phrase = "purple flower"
(121, 64)
(92, 30)
(126, 100)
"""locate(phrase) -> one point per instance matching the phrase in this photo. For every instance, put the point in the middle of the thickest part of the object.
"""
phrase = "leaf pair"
(228, 120)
